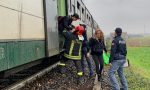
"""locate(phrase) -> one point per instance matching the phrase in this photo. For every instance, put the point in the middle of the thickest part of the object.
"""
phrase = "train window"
(82, 10)
(78, 5)
(87, 16)
(70, 6)
(90, 20)
(73, 8)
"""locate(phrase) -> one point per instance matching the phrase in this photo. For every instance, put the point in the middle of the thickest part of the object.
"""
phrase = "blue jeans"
(117, 65)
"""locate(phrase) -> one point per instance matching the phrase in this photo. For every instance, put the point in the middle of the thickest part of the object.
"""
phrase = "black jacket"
(97, 44)
(118, 49)
(64, 23)
(85, 41)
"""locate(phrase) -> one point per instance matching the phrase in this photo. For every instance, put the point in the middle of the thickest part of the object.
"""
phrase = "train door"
(62, 11)
(51, 27)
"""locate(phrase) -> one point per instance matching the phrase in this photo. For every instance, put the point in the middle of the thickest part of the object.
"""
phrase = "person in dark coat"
(97, 46)
(117, 59)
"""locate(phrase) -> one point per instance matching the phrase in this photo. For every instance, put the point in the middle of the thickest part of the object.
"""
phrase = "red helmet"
(79, 30)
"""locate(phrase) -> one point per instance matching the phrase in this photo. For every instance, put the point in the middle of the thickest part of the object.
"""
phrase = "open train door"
(51, 27)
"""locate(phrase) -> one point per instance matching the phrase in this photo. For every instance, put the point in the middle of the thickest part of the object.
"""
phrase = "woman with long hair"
(97, 46)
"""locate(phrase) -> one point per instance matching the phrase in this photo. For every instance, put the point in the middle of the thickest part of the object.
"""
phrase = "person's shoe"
(99, 78)
(91, 74)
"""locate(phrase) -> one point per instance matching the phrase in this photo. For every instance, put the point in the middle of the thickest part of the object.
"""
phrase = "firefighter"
(72, 46)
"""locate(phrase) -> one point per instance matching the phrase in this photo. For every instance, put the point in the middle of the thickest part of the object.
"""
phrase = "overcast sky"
(133, 16)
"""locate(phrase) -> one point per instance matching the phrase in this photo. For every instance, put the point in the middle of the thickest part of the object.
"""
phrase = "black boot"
(99, 77)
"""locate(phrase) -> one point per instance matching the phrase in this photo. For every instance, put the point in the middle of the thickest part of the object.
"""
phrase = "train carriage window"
(78, 5)
(83, 14)
(70, 6)
(90, 20)
(82, 10)
(73, 8)
(78, 11)
(87, 19)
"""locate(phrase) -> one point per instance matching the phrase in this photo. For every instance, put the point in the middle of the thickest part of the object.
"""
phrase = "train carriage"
(29, 29)
(22, 37)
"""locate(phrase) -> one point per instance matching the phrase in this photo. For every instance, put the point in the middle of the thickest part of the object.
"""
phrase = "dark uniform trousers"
(77, 60)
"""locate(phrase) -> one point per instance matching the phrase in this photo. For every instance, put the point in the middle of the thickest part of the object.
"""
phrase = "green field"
(138, 74)
(139, 58)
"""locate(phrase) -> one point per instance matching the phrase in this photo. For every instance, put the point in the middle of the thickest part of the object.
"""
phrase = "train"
(29, 30)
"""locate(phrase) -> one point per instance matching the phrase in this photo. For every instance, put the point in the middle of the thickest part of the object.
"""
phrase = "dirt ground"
(54, 80)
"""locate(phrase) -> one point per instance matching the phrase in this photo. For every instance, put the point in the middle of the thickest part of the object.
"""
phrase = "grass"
(139, 58)
(136, 81)
(139, 41)
(138, 74)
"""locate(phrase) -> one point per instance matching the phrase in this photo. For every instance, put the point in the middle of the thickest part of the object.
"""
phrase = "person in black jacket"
(72, 46)
(97, 46)
(84, 54)
(117, 59)
(65, 27)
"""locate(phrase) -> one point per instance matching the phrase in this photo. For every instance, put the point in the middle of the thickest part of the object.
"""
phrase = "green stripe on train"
(13, 54)
(61, 7)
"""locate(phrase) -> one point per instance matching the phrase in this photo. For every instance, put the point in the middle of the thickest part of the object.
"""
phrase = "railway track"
(18, 80)
(54, 80)
(46, 77)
